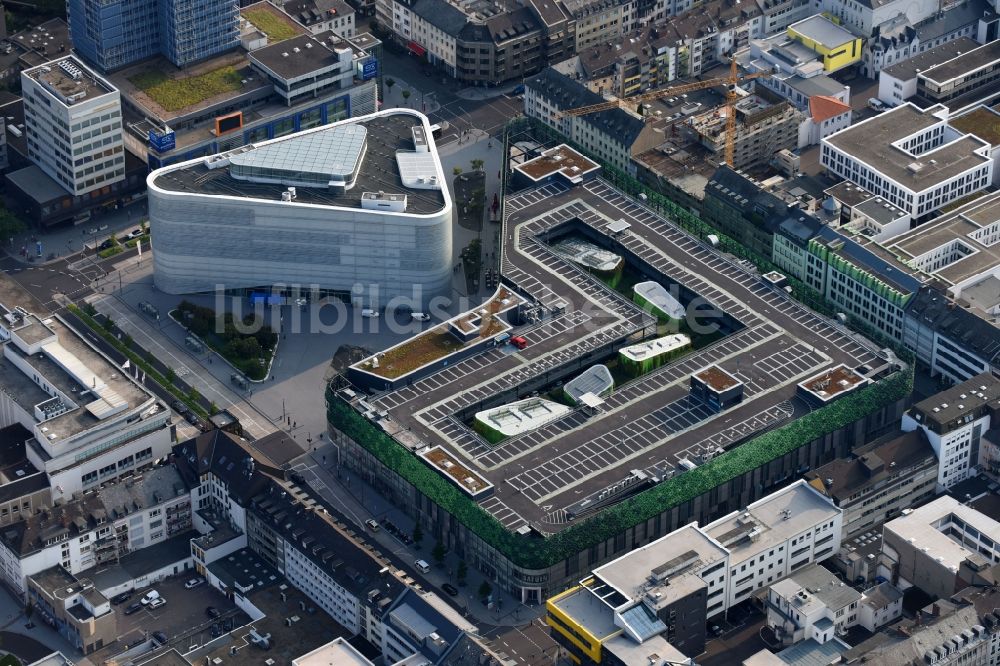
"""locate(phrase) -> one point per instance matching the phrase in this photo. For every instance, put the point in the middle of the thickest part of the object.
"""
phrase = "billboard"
(369, 69)
(161, 142)
(228, 123)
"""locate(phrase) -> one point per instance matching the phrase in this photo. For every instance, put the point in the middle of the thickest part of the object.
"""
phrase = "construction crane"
(730, 82)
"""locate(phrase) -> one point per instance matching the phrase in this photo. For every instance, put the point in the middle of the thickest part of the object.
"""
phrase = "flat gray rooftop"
(378, 172)
(592, 613)
(26, 393)
(821, 29)
(68, 77)
(964, 64)
(870, 142)
(931, 58)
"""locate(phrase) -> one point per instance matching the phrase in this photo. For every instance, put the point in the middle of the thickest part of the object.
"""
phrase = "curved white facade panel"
(213, 231)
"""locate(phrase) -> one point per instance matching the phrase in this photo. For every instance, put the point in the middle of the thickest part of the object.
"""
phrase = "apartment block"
(811, 603)
(877, 481)
(764, 126)
(615, 135)
(73, 124)
(910, 157)
(74, 607)
(667, 589)
(929, 546)
(97, 528)
(954, 422)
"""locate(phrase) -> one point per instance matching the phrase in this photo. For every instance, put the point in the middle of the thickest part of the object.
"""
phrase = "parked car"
(133, 608)
(121, 598)
(216, 630)
(135, 233)
(420, 316)
(159, 637)
(149, 597)
(519, 342)
(212, 612)
(372, 524)
(518, 89)
(106, 245)
(180, 407)
(450, 589)
(193, 583)
(157, 602)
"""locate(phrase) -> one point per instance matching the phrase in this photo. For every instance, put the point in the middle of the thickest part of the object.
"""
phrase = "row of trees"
(438, 553)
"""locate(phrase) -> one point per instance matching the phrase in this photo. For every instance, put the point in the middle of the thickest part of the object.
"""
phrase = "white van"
(422, 566)
(368, 312)
(875, 104)
(420, 316)
(149, 597)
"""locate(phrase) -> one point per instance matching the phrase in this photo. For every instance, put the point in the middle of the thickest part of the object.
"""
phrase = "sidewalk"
(65, 241)
(165, 339)
(480, 93)
(345, 491)
(418, 101)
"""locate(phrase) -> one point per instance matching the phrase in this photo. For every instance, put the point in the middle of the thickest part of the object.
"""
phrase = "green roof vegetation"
(536, 553)
(268, 22)
(173, 94)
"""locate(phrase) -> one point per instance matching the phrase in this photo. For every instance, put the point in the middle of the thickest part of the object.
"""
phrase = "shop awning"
(416, 49)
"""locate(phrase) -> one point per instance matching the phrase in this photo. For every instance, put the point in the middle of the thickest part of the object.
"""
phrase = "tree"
(193, 395)
(389, 83)
(213, 408)
(461, 573)
(418, 535)
(127, 341)
(406, 95)
(170, 375)
(457, 171)
(109, 323)
(10, 225)
(438, 552)
(485, 589)
(477, 165)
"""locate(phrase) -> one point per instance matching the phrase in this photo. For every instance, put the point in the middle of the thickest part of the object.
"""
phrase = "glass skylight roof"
(318, 157)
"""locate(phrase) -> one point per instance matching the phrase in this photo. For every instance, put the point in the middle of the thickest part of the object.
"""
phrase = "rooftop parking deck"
(648, 424)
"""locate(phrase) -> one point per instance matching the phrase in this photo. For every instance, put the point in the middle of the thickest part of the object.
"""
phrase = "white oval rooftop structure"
(596, 379)
(521, 416)
(651, 348)
(655, 295)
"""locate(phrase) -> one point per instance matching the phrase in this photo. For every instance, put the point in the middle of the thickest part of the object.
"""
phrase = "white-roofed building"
(359, 202)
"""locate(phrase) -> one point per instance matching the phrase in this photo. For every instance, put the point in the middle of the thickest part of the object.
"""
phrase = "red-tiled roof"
(822, 107)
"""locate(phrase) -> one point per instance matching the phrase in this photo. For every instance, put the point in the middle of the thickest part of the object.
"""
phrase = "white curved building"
(357, 209)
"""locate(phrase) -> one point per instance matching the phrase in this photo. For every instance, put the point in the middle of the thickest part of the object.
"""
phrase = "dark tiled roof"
(938, 312)
(566, 93)
(218, 452)
(442, 15)
(871, 464)
(309, 529)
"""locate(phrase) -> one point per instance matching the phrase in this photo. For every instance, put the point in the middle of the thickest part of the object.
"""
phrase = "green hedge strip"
(535, 553)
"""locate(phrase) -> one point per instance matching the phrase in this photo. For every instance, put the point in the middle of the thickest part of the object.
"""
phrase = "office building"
(910, 157)
(858, 282)
(954, 422)
(98, 528)
(877, 481)
(929, 546)
(670, 587)
(113, 35)
(90, 421)
(309, 194)
(614, 136)
(898, 83)
(73, 124)
(811, 603)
